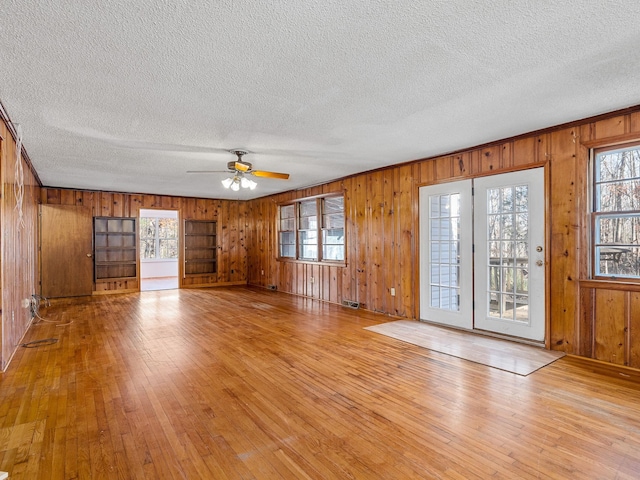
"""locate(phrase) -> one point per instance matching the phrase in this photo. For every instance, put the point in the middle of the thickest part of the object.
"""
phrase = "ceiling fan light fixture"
(237, 181)
(247, 183)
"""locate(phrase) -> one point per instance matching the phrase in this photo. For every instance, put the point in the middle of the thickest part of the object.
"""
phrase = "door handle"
(89, 255)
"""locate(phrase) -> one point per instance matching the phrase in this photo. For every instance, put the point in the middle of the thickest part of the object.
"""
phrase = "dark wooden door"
(66, 234)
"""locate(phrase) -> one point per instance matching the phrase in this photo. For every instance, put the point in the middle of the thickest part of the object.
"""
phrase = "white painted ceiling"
(128, 95)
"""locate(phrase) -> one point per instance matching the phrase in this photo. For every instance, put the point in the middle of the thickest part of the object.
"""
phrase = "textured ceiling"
(128, 95)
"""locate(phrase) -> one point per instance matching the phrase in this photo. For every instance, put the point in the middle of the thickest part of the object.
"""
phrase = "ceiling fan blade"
(242, 167)
(259, 173)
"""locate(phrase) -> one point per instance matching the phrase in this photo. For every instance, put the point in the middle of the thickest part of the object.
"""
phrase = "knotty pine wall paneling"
(613, 323)
(633, 330)
(359, 243)
(349, 285)
(584, 323)
(610, 320)
(261, 242)
(609, 315)
(490, 159)
(564, 217)
(231, 217)
(388, 250)
(379, 209)
(403, 220)
(376, 213)
(18, 261)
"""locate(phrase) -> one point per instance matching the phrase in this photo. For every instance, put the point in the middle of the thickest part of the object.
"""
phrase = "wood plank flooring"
(494, 352)
(242, 383)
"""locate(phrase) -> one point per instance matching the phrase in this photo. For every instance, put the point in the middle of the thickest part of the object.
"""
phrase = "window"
(308, 230)
(312, 230)
(158, 238)
(333, 228)
(616, 212)
(287, 232)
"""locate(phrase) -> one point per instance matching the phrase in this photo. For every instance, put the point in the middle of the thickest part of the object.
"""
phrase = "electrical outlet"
(312, 280)
(393, 292)
(25, 303)
(262, 272)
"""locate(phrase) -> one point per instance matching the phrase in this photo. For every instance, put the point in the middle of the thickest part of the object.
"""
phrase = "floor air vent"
(350, 304)
(272, 287)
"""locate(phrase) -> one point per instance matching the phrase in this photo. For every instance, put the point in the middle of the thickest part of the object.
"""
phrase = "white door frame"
(462, 315)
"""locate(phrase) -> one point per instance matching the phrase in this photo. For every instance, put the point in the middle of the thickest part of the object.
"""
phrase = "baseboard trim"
(218, 284)
(113, 292)
(612, 370)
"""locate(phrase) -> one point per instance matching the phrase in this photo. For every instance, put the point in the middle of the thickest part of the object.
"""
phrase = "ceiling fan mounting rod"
(239, 153)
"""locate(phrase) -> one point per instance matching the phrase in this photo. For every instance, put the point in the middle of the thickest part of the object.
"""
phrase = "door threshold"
(486, 333)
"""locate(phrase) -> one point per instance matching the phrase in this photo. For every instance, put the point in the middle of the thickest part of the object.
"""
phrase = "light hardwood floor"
(244, 383)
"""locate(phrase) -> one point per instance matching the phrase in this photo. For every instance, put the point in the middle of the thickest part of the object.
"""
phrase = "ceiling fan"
(240, 168)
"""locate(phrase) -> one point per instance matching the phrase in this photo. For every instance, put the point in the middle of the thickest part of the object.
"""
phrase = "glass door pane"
(508, 252)
(444, 224)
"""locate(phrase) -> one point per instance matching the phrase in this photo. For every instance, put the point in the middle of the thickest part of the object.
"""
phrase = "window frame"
(322, 228)
(596, 213)
(292, 232)
(303, 217)
(319, 230)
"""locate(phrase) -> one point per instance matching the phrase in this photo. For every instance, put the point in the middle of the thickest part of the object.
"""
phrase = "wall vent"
(351, 304)
(272, 287)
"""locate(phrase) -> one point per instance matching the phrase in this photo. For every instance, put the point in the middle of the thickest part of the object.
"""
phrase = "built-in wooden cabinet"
(115, 248)
(200, 247)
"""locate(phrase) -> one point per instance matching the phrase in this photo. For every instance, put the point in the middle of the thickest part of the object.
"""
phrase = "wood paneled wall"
(231, 217)
(18, 262)
(382, 241)
(379, 242)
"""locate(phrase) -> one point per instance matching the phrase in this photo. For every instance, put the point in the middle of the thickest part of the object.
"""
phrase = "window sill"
(610, 284)
(329, 263)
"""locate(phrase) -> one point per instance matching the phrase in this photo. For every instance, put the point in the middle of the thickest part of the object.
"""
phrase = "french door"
(501, 249)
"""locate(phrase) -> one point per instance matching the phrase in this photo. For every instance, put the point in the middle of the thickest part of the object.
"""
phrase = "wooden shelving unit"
(200, 247)
(115, 248)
